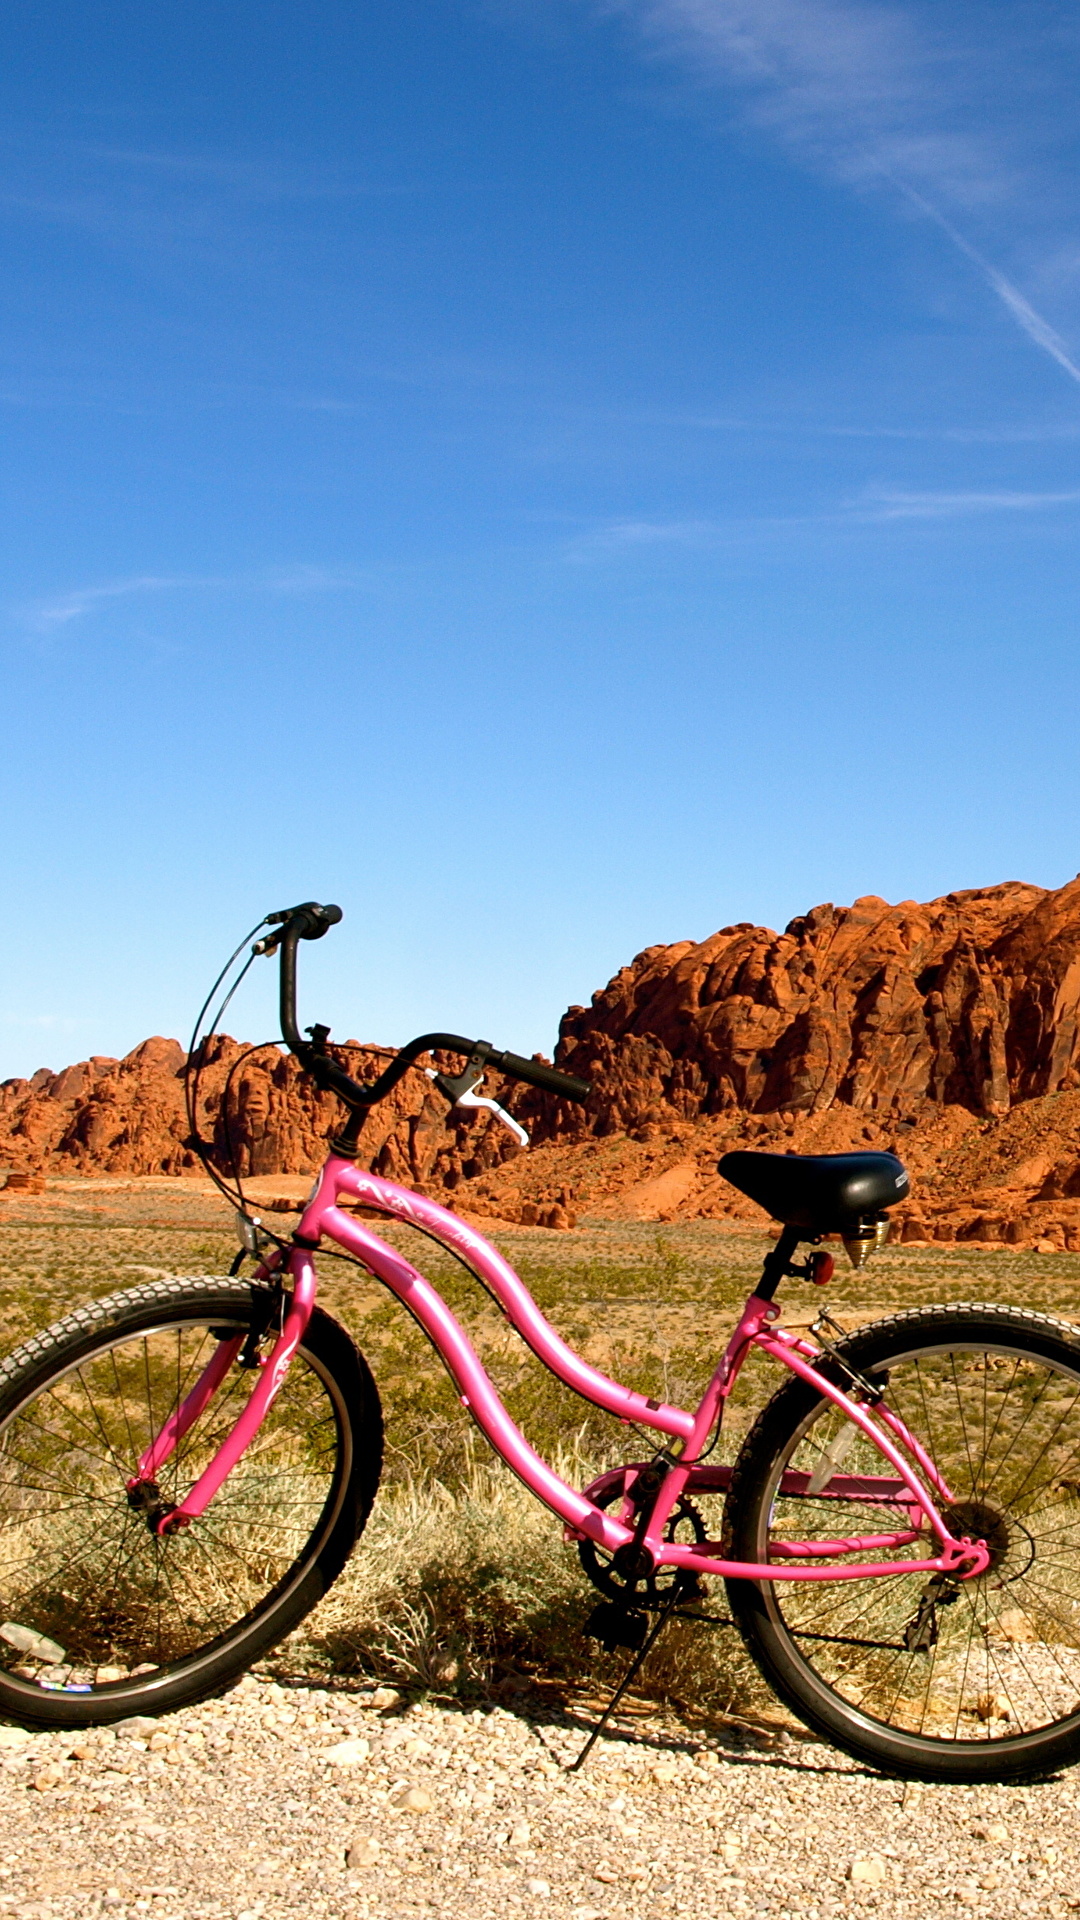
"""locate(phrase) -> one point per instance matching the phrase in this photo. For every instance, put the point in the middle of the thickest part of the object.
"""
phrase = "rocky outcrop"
(258, 1109)
(892, 1011)
(948, 1031)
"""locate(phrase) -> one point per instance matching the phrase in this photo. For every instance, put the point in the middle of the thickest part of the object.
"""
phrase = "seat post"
(777, 1263)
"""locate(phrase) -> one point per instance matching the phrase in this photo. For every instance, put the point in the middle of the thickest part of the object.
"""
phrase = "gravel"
(280, 1801)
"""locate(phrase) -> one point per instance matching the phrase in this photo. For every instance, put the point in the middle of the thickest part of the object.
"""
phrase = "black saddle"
(821, 1192)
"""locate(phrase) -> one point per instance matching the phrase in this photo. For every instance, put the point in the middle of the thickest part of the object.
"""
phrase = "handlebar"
(309, 922)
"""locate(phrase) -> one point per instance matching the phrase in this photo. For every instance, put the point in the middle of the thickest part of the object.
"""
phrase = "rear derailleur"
(920, 1635)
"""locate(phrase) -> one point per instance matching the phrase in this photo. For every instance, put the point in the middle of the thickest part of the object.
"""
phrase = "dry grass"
(470, 1590)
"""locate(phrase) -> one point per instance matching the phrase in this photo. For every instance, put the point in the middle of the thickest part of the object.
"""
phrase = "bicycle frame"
(909, 1480)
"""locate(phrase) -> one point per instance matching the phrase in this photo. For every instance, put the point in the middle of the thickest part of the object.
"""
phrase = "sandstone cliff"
(969, 1001)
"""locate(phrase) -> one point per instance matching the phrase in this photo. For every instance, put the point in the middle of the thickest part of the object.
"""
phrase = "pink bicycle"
(186, 1467)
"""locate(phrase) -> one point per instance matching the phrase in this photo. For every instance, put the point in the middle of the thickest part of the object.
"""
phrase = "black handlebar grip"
(312, 921)
(549, 1078)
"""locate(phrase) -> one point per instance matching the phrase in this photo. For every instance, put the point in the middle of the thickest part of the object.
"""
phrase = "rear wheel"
(100, 1616)
(931, 1678)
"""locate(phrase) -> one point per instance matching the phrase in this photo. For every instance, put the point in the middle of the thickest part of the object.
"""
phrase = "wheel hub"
(144, 1496)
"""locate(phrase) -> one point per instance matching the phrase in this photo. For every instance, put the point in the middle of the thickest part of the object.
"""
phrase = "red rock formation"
(950, 1031)
(258, 1108)
(969, 1001)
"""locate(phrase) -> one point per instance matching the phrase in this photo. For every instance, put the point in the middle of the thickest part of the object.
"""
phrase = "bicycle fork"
(142, 1489)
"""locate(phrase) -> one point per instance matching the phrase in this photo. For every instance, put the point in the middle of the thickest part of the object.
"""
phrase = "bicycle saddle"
(821, 1192)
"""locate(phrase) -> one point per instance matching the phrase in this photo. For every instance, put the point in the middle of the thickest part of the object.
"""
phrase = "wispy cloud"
(47, 615)
(945, 505)
(1033, 324)
(655, 533)
(867, 91)
(78, 601)
(1035, 433)
(877, 506)
(855, 85)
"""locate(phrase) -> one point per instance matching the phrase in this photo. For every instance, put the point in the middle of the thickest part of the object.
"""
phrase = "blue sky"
(554, 476)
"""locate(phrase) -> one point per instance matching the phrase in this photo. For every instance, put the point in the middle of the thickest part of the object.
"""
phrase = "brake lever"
(471, 1099)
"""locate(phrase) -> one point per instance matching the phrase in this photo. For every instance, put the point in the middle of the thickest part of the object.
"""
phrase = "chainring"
(655, 1589)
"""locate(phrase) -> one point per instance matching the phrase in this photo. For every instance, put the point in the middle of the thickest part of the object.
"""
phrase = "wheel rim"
(995, 1659)
(90, 1598)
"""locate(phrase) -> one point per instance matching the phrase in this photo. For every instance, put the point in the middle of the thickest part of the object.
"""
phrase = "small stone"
(14, 1736)
(135, 1722)
(520, 1835)
(868, 1870)
(993, 1706)
(362, 1851)
(28, 1640)
(346, 1753)
(385, 1699)
(412, 1800)
(996, 1832)
(50, 1776)
(538, 1887)
(730, 1851)
(1012, 1624)
(605, 1873)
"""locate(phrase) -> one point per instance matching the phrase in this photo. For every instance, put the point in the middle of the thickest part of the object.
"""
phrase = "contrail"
(1033, 324)
(848, 84)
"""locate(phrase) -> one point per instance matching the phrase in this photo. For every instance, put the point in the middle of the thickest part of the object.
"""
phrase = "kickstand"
(634, 1667)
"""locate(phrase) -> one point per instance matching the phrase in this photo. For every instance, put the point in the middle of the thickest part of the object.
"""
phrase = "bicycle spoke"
(963, 1424)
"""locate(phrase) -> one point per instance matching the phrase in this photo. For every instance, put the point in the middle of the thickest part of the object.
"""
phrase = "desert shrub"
(472, 1591)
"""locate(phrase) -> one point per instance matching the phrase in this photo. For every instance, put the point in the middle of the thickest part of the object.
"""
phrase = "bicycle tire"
(144, 1623)
(974, 1681)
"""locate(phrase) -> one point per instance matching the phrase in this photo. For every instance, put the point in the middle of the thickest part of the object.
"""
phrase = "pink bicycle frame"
(913, 1486)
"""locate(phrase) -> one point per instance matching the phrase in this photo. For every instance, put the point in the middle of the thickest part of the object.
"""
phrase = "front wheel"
(928, 1678)
(101, 1617)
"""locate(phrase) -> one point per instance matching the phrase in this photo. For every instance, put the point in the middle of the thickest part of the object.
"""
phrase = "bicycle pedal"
(616, 1626)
